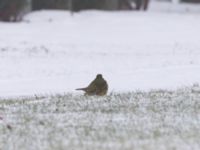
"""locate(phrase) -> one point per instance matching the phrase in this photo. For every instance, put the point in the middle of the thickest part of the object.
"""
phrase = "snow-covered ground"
(54, 52)
(156, 120)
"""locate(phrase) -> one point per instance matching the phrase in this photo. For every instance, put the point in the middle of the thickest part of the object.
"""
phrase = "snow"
(53, 52)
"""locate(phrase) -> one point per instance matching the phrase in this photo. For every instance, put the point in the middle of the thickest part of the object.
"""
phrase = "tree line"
(13, 10)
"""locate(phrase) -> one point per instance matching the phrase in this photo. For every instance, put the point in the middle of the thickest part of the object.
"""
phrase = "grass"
(158, 119)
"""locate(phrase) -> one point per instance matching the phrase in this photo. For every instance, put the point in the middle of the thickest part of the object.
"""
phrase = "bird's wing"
(92, 88)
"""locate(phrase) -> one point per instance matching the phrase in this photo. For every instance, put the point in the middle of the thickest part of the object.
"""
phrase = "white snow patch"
(54, 52)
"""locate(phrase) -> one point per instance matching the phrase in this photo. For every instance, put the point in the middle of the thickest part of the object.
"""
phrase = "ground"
(167, 120)
(151, 61)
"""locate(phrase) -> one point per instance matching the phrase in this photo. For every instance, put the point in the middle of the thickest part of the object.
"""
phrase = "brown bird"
(97, 87)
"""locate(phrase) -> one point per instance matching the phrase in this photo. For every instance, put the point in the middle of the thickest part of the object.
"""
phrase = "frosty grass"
(158, 119)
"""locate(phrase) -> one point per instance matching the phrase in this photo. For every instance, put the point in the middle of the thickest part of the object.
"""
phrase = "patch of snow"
(54, 52)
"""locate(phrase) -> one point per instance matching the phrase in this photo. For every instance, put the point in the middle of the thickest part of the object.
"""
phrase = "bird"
(98, 87)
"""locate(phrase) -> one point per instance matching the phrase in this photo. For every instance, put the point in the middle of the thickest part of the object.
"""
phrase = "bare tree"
(12, 10)
(142, 4)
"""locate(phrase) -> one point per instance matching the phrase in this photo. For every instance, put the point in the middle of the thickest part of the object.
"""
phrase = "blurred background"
(14, 10)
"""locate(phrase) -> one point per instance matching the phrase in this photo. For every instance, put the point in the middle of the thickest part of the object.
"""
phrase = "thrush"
(97, 87)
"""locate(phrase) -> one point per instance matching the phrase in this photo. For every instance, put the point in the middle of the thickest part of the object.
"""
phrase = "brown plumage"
(97, 87)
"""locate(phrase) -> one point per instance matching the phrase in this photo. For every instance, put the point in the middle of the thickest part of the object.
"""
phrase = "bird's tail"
(81, 89)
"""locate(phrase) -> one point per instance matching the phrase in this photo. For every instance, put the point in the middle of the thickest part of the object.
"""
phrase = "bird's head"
(99, 76)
